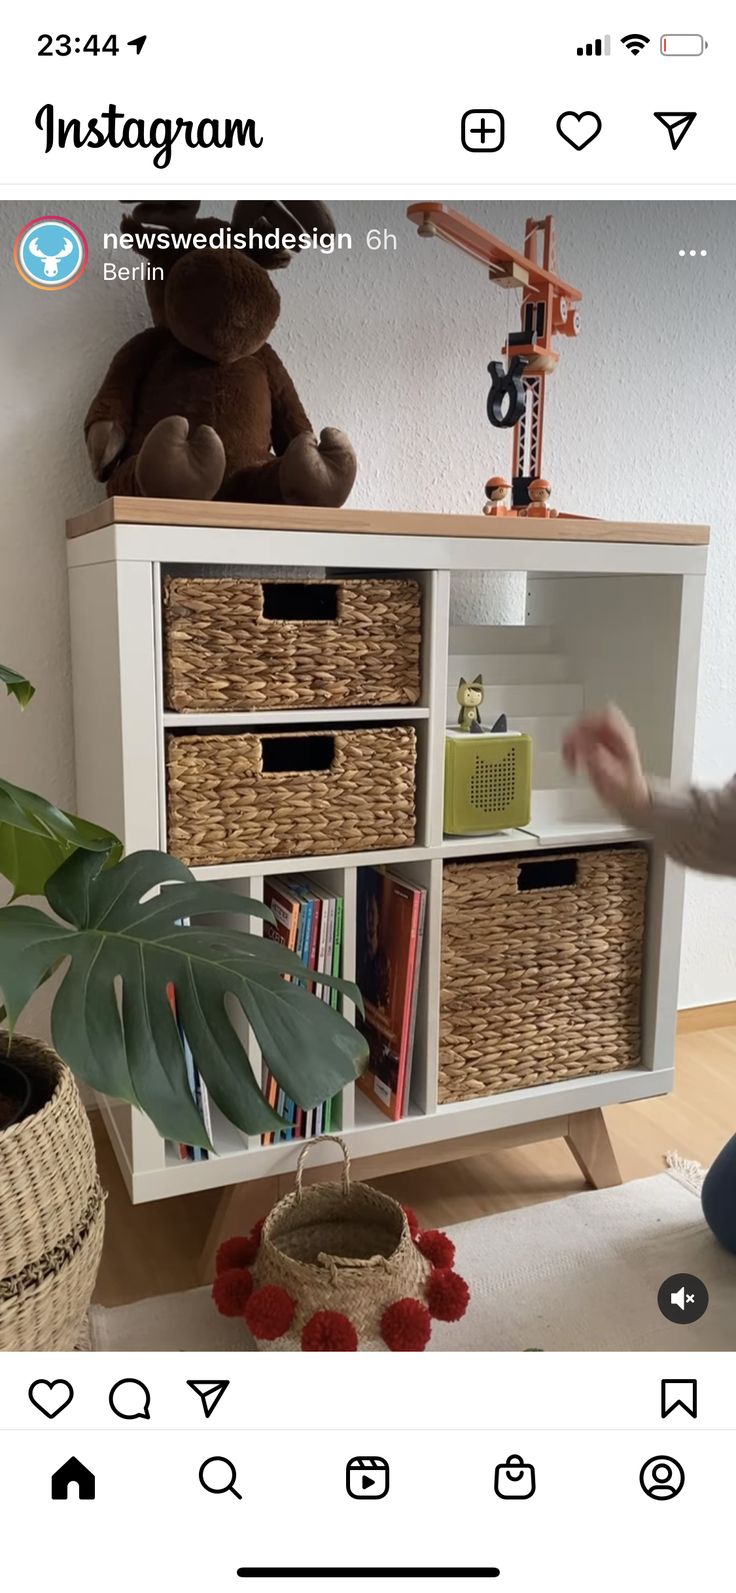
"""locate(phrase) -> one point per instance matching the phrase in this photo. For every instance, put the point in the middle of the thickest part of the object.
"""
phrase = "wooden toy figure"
(539, 491)
(470, 697)
(496, 492)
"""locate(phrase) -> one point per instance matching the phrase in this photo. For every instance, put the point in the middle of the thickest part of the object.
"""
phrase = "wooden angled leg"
(588, 1138)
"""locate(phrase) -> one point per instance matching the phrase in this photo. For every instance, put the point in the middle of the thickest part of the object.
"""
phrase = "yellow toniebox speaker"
(488, 782)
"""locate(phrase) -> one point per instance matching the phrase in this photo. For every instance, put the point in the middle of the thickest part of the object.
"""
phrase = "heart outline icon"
(59, 1382)
(578, 117)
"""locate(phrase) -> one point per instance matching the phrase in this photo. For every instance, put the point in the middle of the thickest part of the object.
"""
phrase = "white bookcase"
(613, 612)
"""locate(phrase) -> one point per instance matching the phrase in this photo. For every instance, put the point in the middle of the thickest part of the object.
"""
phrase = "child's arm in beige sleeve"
(696, 828)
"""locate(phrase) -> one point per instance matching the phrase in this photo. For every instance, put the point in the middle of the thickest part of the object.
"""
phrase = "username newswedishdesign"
(112, 129)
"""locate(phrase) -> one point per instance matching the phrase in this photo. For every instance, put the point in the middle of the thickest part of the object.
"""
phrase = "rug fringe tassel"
(691, 1174)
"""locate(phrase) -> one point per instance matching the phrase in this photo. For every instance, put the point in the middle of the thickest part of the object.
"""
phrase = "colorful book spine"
(402, 1080)
(199, 1153)
(309, 921)
(415, 970)
(389, 919)
(270, 1090)
(337, 947)
(303, 933)
(314, 938)
(286, 911)
(190, 1153)
(320, 961)
(329, 908)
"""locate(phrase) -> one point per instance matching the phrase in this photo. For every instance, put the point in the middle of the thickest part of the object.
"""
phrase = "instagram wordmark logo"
(50, 252)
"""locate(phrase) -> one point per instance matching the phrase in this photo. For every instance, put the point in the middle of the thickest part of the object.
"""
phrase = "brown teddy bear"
(199, 405)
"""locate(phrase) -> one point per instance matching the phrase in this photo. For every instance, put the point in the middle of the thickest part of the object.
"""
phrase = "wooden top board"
(277, 517)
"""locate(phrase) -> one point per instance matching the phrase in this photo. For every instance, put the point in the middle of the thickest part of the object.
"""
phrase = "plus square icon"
(482, 132)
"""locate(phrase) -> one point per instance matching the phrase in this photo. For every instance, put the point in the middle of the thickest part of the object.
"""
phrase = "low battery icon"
(682, 44)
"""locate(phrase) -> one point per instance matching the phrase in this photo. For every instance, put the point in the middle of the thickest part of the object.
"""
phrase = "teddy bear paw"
(320, 473)
(171, 464)
(105, 440)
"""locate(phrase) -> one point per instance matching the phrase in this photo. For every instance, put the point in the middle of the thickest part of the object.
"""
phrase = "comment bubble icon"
(130, 1400)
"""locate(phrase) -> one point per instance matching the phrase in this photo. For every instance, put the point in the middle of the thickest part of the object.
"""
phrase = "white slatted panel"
(528, 676)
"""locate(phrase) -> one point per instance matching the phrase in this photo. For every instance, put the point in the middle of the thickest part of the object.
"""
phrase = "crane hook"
(507, 398)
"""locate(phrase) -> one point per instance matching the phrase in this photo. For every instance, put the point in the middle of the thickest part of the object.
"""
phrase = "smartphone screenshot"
(367, 799)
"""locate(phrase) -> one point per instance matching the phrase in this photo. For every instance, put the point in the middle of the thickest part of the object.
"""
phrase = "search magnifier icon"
(218, 1475)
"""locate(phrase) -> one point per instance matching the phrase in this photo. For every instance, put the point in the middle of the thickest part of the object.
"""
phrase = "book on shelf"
(390, 934)
(285, 907)
(310, 899)
(326, 902)
(329, 943)
(192, 1153)
(309, 919)
(337, 946)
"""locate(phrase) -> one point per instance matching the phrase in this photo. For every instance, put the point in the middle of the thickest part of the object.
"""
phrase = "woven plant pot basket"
(228, 643)
(52, 1214)
(230, 799)
(541, 969)
(339, 1267)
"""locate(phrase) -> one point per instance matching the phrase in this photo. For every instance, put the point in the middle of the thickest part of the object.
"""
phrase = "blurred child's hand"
(604, 745)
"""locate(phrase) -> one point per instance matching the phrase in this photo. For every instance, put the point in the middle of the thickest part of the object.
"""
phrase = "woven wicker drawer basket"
(235, 798)
(541, 969)
(247, 645)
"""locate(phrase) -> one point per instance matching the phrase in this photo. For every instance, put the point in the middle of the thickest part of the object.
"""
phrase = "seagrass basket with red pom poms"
(339, 1267)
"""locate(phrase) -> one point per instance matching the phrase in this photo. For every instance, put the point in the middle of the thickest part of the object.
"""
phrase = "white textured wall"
(393, 347)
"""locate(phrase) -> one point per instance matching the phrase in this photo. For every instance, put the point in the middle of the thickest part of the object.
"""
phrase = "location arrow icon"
(677, 123)
(210, 1392)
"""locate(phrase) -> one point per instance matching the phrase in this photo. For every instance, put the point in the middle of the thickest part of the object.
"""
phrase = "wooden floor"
(154, 1249)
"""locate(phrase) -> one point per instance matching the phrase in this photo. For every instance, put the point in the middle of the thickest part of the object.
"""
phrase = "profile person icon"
(662, 1477)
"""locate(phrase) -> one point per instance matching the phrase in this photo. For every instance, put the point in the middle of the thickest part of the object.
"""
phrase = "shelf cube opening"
(585, 641)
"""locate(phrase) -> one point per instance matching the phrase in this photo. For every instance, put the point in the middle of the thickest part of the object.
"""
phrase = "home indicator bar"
(370, 1570)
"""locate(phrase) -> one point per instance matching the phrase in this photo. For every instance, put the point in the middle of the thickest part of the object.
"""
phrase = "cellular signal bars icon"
(596, 46)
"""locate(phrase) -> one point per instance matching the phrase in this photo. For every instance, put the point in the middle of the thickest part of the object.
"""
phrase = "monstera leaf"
(125, 947)
(36, 838)
(17, 685)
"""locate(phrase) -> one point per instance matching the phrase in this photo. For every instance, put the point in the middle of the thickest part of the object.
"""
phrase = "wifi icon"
(635, 42)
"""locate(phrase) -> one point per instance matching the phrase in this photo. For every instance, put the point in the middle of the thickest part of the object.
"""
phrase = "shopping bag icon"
(514, 1479)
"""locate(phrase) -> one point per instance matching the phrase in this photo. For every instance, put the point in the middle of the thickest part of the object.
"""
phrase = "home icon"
(71, 1473)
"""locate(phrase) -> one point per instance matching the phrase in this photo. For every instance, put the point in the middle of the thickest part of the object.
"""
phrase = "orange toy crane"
(516, 397)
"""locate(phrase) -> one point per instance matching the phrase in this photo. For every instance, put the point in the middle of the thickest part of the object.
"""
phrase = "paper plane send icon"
(677, 123)
(210, 1392)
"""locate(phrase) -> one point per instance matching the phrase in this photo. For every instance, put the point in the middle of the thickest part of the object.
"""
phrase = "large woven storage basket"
(541, 969)
(339, 1267)
(233, 798)
(51, 1211)
(232, 643)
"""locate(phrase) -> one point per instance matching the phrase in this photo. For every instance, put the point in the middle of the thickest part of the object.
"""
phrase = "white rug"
(574, 1274)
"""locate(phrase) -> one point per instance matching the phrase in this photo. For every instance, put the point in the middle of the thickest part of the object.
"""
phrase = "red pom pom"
(270, 1312)
(231, 1290)
(447, 1295)
(406, 1325)
(236, 1253)
(257, 1230)
(412, 1220)
(329, 1330)
(436, 1247)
